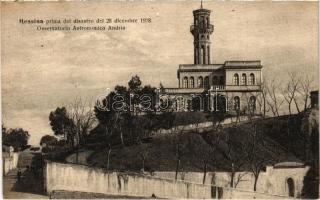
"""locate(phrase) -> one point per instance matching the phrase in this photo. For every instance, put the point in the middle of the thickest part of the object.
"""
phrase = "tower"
(201, 31)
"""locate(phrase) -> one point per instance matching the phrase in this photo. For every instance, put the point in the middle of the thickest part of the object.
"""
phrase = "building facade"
(314, 97)
(231, 86)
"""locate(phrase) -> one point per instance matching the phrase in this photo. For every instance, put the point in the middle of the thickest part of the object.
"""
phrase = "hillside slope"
(195, 149)
(298, 134)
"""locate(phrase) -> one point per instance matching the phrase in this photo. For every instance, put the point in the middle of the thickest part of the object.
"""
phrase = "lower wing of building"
(234, 87)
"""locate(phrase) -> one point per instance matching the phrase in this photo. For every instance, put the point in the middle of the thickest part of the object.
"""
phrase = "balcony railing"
(243, 87)
(213, 88)
(218, 87)
(235, 87)
(183, 90)
(201, 28)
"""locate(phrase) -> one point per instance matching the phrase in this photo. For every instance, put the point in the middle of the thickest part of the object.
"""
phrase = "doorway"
(290, 186)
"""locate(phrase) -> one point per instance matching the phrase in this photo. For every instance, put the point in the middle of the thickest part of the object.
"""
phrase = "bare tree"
(144, 156)
(178, 143)
(254, 160)
(239, 178)
(206, 155)
(274, 102)
(121, 125)
(213, 139)
(179, 149)
(80, 112)
(233, 158)
(257, 151)
(262, 98)
(290, 91)
(119, 121)
(108, 157)
(305, 83)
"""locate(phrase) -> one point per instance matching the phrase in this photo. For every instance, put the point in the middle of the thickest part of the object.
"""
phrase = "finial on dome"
(201, 4)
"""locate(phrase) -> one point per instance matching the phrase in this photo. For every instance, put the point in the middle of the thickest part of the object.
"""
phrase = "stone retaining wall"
(71, 177)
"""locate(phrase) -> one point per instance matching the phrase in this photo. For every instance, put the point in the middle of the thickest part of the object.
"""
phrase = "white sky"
(44, 70)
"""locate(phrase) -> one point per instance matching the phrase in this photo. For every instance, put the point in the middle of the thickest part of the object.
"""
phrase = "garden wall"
(10, 162)
(71, 177)
(272, 181)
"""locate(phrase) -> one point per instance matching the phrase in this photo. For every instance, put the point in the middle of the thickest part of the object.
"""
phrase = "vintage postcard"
(160, 99)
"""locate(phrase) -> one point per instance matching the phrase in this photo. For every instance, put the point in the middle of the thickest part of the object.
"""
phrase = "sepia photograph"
(160, 99)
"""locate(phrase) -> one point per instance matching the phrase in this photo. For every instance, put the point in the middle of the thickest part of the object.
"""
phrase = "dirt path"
(14, 190)
(30, 185)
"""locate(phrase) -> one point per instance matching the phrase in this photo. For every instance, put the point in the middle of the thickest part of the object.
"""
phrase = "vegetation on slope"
(298, 134)
(212, 148)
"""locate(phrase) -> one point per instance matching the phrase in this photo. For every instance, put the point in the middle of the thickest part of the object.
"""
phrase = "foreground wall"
(84, 179)
(72, 177)
(273, 181)
(10, 162)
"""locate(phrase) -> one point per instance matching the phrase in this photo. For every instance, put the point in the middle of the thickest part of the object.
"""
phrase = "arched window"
(252, 80)
(208, 51)
(185, 82)
(252, 103)
(215, 80)
(191, 82)
(221, 80)
(236, 79)
(206, 82)
(290, 186)
(203, 55)
(236, 103)
(196, 53)
(244, 79)
(220, 103)
(189, 105)
(203, 22)
(200, 82)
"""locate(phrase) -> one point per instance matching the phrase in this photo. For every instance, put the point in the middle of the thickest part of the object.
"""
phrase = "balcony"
(243, 87)
(183, 90)
(201, 29)
(217, 87)
(240, 88)
(214, 88)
